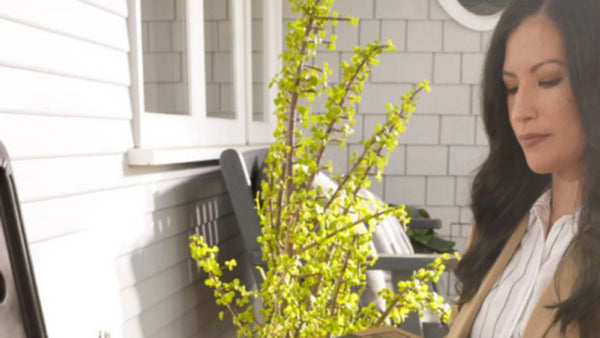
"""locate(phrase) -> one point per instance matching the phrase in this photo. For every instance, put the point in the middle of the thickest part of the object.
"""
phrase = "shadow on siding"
(169, 298)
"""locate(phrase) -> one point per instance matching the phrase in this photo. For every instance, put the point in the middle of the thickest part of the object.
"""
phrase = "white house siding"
(445, 141)
(108, 241)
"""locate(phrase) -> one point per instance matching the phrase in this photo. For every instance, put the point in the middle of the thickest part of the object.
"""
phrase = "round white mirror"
(481, 15)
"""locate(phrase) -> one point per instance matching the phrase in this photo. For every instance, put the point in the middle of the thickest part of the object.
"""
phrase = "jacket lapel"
(540, 322)
(463, 321)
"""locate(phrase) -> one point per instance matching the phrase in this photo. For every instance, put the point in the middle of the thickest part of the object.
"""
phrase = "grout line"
(425, 191)
(455, 192)
(405, 35)
(429, 10)
(433, 56)
(448, 160)
(475, 131)
(471, 97)
(383, 184)
(426, 186)
(443, 35)
(460, 67)
(406, 160)
(374, 9)
(481, 47)
(439, 139)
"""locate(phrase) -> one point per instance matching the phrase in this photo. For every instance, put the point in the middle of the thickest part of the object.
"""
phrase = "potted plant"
(316, 240)
(423, 236)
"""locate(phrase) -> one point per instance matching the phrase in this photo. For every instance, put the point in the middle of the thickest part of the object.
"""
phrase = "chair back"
(20, 310)
(241, 173)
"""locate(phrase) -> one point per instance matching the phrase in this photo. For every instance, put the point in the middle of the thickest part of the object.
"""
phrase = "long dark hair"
(504, 188)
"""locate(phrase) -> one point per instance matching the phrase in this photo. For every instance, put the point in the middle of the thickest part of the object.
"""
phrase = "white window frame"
(469, 19)
(167, 138)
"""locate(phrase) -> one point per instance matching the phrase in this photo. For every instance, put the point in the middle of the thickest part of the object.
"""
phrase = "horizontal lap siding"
(30, 92)
(127, 262)
(35, 48)
(76, 19)
(35, 136)
(109, 242)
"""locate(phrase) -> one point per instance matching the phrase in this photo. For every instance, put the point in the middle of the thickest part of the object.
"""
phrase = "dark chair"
(241, 175)
(20, 310)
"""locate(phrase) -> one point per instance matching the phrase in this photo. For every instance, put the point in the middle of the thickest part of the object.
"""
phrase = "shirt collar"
(541, 208)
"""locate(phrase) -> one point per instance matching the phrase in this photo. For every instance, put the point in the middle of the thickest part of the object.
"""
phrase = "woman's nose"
(523, 107)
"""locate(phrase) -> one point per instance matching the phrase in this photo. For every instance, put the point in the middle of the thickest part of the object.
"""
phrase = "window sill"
(156, 157)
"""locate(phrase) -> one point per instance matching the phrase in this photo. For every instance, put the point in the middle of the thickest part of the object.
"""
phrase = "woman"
(533, 265)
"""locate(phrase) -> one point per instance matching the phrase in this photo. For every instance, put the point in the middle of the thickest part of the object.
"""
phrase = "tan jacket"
(540, 322)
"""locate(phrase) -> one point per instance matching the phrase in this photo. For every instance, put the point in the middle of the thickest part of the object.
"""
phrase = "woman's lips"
(532, 140)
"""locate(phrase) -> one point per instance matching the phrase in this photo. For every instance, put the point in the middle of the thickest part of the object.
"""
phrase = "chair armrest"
(425, 223)
(408, 262)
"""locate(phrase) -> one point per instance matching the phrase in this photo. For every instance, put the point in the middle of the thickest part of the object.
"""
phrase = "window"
(200, 71)
(479, 15)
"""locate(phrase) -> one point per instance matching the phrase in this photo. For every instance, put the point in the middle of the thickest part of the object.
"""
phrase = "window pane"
(484, 7)
(257, 61)
(165, 56)
(218, 34)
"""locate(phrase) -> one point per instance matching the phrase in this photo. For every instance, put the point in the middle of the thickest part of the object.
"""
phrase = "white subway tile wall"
(424, 36)
(422, 129)
(338, 156)
(369, 31)
(446, 99)
(377, 187)
(397, 162)
(405, 189)
(448, 214)
(471, 67)
(394, 30)
(458, 130)
(427, 160)
(458, 38)
(445, 142)
(440, 191)
(358, 8)
(463, 187)
(466, 216)
(347, 37)
(376, 95)
(475, 100)
(436, 12)
(464, 159)
(165, 56)
(480, 135)
(371, 121)
(446, 68)
(401, 9)
(403, 67)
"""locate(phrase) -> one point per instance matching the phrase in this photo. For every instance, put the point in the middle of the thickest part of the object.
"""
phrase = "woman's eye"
(551, 83)
(511, 90)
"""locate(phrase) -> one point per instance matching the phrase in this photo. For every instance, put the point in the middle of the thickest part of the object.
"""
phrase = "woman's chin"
(538, 167)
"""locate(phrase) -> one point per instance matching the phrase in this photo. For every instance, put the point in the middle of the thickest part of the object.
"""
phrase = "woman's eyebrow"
(535, 67)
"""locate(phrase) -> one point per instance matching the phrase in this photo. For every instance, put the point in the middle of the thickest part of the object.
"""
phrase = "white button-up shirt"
(507, 307)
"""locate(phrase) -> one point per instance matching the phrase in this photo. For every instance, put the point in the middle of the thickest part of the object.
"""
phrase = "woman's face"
(541, 107)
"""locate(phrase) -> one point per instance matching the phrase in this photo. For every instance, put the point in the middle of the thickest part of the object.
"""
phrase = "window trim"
(467, 18)
(262, 131)
(165, 138)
